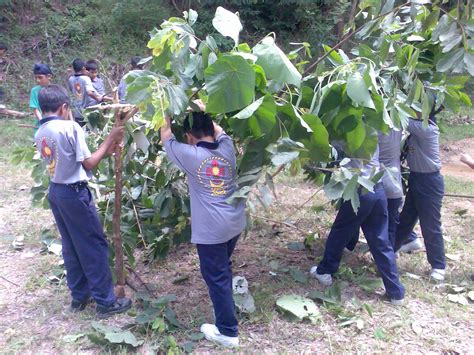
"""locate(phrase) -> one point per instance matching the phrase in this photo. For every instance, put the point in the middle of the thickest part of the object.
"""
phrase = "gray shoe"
(438, 274)
(324, 279)
(412, 246)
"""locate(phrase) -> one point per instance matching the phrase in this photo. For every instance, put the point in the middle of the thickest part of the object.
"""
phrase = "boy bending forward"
(62, 146)
(209, 163)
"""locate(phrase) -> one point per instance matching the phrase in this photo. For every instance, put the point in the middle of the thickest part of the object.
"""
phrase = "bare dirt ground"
(452, 165)
(34, 318)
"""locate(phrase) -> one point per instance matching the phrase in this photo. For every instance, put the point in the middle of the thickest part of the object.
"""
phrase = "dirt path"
(451, 155)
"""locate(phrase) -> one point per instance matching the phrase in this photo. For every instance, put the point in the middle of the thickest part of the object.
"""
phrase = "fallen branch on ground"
(460, 196)
(7, 112)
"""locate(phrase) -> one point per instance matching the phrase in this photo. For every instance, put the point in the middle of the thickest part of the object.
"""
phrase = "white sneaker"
(211, 333)
(438, 274)
(412, 246)
(324, 279)
(397, 303)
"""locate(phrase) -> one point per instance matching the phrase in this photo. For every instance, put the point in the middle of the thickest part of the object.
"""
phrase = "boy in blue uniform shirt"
(424, 196)
(210, 165)
(97, 83)
(63, 148)
(43, 75)
(82, 89)
(372, 217)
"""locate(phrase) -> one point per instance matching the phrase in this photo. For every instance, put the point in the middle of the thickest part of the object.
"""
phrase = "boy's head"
(54, 101)
(79, 66)
(92, 68)
(202, 127)
(3, 49)
(42, 74)
(134, 63)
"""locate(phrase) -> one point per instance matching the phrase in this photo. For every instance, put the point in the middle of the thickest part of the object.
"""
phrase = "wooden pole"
(121, 118)
(7, 112)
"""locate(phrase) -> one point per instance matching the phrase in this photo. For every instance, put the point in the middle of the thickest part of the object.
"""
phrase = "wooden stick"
(26, 126)
(121, 118)
(113, 106)
(7, 112)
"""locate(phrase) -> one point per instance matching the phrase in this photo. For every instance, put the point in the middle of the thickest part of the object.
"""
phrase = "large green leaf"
(318, 142)
(276, 64)
(230, 83)
(358, 91)
(227, 24)
(469, 62)
(450, 60)
(259, 117)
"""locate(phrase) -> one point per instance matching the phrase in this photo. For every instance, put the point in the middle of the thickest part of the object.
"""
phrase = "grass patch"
(455, 133)
(458, 186)
(13, 137)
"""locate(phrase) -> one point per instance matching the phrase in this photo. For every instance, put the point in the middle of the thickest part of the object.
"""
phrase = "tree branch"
(346, 38)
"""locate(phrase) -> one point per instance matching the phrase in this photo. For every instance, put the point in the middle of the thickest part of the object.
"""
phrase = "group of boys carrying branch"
(208, 159)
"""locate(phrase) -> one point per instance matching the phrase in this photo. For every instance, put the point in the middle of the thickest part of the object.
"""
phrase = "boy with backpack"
(210, 165)
(82, 89)
(63, 148)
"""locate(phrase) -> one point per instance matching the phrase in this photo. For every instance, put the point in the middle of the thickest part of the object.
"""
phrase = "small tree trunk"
(119, 269)
(121, 118)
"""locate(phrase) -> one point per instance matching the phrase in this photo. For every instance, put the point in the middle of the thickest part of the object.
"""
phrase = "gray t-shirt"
(389, 155)
(122, 91)
(212, 177)
(423, 147)
(63, 148)
(79, 85)
(99, 87)
(368, 167)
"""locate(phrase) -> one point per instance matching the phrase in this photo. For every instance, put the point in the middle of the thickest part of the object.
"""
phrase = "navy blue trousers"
(423, 201)
(84, 247)
(216, 271)
(372, 217)
(393, 208)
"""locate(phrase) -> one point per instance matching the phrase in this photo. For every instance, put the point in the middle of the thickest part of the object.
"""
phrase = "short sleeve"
(34, 103)
(226, 142)
(79, 144)
(88, 84)
(181, 154)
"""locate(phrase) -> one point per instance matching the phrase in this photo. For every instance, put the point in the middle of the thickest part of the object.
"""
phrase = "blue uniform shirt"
(63, 148)
(389, 156)
(423, 147)
(212, 179)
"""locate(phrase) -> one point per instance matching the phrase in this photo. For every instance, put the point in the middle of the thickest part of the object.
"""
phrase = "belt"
(76, 185)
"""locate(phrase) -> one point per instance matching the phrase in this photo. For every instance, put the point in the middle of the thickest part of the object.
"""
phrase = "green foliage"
(278, 109)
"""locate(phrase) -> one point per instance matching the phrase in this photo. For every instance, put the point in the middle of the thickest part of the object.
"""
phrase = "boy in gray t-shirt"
(69, 162)
(210, 166)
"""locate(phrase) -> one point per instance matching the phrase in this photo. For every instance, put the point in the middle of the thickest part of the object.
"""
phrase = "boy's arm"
(165, 131)
(468, 160)
(115, 137)
(37, 114)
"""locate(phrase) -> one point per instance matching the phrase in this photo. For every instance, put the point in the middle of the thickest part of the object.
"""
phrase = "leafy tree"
(284, 109)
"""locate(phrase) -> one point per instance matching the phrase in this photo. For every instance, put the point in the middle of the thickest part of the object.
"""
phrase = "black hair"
(78, 64)
(51, 98)
(92, 65)
(41, 69)
(202, 125)
(3, 46)
(134, 62)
